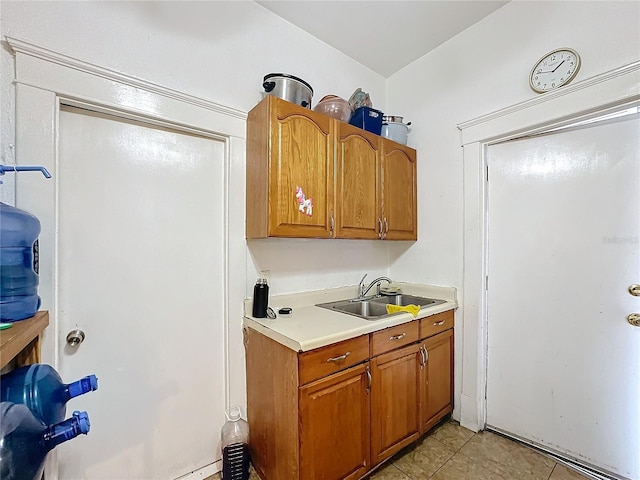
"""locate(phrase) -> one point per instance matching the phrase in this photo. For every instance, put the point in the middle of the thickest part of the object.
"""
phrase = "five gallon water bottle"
(41, 389)
(25, 440)
(235, 446)
(19, 232)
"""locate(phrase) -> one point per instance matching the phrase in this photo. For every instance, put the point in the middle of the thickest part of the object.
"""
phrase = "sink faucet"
(362, 290)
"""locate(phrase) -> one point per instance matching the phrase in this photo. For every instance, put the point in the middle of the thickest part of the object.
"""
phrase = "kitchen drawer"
(324, 361)
(437, 323)
(394, 337)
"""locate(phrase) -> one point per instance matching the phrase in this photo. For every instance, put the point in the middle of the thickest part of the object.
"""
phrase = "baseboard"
(203, 472)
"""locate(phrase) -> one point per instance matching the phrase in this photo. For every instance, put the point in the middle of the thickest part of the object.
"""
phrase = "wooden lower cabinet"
(336, 412)
(436, 380)
(394, 401)
(308, 412)
(334, 426)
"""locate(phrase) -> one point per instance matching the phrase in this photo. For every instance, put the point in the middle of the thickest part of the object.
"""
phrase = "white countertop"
(311, 327)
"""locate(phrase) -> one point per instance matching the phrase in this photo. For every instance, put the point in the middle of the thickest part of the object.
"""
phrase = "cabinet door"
(394, 401)
(399, 191)
(436, 385)
(334, 426)
(300, 168)
(358, 200)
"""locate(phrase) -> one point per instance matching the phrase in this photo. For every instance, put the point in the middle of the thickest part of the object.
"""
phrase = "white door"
(563, 249)
(140, 272)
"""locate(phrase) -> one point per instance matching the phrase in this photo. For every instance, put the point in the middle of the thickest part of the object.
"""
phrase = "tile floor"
(451, 452)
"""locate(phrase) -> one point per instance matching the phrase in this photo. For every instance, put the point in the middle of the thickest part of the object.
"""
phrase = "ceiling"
(383, 35)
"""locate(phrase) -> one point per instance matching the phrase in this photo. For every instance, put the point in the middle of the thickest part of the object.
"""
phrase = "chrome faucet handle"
(361, 286)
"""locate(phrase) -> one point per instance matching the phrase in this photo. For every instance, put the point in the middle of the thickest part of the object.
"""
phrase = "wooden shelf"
(22, 341)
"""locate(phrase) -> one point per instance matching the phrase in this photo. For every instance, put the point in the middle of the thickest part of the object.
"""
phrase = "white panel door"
(140, 271)
(563, 249)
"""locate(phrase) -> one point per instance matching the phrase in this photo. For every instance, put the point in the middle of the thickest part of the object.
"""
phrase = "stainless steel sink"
(404, 300)
(375, 308)
(360, 308)
(363, 309)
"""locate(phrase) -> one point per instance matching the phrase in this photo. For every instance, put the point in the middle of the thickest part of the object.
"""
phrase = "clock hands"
(558, 66)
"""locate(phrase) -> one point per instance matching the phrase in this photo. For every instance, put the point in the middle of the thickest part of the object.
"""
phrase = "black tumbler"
(260, 298)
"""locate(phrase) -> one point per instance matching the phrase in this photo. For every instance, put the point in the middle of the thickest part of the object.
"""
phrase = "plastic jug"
(40, 388)
(25, 440)
(19, 232)
(235, 446)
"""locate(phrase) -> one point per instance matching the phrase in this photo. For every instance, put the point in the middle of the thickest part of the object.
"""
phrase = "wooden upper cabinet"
(358, 186)
(399, 192)
(312, 176)
(290, 159)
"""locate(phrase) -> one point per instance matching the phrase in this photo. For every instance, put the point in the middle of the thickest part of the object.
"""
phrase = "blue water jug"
(19, 232)
(25, 440)
(41, 389)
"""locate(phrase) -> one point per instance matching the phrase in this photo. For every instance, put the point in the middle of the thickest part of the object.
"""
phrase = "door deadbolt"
(75, 338)
(634, 319)
(634, 290)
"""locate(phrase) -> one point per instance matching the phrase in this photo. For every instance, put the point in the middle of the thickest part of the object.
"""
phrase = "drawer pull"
(437, 324)
(398, 337)
(338, 359)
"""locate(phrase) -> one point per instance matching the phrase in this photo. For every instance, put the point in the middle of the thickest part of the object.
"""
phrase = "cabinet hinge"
(486, 282)
(487, 173)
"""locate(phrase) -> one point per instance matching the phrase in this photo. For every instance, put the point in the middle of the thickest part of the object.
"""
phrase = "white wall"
(483, 69)
(218, 51)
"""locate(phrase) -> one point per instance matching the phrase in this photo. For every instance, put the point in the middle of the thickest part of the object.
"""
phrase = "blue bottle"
(41, 389)
(19, 232)
(25, 440)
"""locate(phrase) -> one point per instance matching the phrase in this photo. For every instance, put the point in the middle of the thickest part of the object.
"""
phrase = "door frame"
(583, 100)
(45, 80)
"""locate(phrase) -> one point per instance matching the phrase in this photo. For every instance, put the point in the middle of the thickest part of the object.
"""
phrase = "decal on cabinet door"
(305, 205)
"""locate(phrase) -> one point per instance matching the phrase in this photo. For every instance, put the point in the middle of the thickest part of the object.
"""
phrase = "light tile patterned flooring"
(451, 452)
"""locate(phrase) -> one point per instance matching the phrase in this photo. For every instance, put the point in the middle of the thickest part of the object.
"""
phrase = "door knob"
(634, 319)
(75, 338)
(634, 290)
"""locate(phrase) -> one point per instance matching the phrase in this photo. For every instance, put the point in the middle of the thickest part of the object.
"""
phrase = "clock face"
(554, 70)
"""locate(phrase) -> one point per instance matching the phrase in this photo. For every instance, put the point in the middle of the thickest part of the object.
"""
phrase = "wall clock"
(555, 69)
